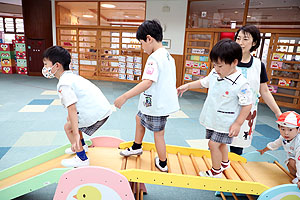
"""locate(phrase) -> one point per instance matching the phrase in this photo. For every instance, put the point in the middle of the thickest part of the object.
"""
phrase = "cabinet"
(196, 61)
(103, 54)
(283, 68)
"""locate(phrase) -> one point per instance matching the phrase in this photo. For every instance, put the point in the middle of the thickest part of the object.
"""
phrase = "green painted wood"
(33, 183)
(36, 161)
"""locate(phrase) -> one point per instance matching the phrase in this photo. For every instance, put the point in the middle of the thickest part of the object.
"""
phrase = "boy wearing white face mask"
(88, 109)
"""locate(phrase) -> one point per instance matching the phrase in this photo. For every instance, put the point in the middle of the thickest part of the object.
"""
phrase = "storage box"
(6, 47)
(22, 70)
(8, 69)
(20, 47)
(8, 62)
(21, 63)
(7, 54)
(20, 39)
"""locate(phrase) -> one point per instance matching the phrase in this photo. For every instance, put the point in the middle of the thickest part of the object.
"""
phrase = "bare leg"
(139, 130)
(73, 138)
(292, 166)
(224, 149)
(160, 145)
(216, 154)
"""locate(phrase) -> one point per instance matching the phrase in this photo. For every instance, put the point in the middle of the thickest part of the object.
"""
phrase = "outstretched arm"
(269, 99)
(138, 89)
(74, 133)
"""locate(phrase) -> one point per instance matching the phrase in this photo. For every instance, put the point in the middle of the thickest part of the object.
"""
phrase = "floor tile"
(56, 102)
(34, 108)
(39, 138)
(49, 92)
(3, 151)
(178, 114)
(199, 144)
(41, 102)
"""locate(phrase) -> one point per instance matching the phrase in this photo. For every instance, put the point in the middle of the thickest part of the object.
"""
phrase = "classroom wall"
(173, 20)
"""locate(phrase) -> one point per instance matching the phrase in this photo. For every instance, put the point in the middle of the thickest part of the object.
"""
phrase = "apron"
(252, 74)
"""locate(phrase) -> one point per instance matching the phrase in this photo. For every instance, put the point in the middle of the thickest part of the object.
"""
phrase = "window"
(215, 14)
(77, 13)
(122, 13)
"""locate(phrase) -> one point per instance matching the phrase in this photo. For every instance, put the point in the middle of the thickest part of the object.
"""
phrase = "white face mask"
(47, 72)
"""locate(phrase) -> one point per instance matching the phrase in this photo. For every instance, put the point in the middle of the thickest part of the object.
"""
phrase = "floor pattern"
(32, 120)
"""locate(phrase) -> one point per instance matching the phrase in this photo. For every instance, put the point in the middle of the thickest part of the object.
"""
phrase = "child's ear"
(235, 62)
(149, 38)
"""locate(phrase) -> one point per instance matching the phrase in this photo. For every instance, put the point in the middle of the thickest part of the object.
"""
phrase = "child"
(248, 37)
(288, 124)
(227, 105)
(158, 95)
(88, 109)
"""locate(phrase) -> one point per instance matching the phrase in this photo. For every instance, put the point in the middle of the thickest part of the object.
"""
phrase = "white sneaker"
(211, 173)
(75, 162)
(163, 169)
(130, 152)
(69, 150)
(295, 180)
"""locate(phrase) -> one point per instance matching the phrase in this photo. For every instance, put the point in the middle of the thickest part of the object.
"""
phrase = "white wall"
(174, 21)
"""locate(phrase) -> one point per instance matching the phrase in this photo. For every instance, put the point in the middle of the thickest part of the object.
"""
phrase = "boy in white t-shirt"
(227, 104)
(289, 139)
(158, 95)
(88, 109)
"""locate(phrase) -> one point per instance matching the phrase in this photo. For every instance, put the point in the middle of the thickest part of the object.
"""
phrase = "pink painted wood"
(70, 183)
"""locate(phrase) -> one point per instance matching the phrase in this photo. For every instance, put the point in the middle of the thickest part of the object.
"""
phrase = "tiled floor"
(32, 120)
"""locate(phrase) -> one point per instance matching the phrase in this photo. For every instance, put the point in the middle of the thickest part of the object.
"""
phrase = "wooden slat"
(195, 164)
(183, 170)
(241, 172)
(169, 164)
(283, 169)
(124, 161)
(152, 154)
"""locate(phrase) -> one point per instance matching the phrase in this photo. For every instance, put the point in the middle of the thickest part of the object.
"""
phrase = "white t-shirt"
(292, 148)
(161, 98)
(224, 100)
(91, 104)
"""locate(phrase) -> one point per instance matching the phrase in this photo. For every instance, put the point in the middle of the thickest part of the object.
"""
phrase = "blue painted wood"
(281, 192)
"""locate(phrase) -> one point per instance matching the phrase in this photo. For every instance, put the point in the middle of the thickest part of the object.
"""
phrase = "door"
(35, 50)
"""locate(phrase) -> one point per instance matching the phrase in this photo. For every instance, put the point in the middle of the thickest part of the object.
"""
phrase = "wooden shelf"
(282, 99)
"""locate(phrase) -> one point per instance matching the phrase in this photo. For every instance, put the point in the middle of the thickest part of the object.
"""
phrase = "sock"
(82, 142)
(225, 164)
(136, 146)
(163, 163)
(215, 171)
(82, 155)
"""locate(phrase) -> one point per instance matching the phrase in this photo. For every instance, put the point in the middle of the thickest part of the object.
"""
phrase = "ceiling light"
(108, 5)
(88, 16)
(248, 16)
(236, 12)
(126, 16)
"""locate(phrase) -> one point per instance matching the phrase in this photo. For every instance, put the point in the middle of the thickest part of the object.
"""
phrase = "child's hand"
(298, 184)
(120, 101)
(261, 151)
(234, 130)
(181, 89)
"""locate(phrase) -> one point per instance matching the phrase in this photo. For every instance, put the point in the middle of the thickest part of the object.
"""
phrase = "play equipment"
(252, 178)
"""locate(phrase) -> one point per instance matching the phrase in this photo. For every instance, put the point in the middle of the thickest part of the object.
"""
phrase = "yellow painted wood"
(194, 182)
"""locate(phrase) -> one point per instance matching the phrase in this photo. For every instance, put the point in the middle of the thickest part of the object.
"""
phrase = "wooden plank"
(182, 167)
(268, 174)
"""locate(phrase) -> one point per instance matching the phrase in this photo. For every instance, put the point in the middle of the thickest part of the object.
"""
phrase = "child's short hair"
(152, 28)
(57, 54)
(254, 32)
(227, 51)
